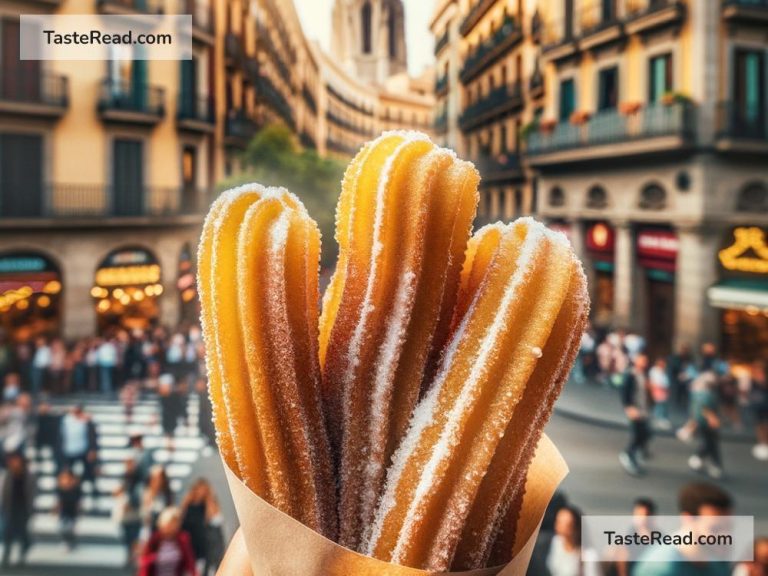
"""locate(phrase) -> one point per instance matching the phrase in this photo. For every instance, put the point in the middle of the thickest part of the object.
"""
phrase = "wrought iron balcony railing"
(441, 84)
(441, 43)
(233, 47)
(96, 201)
(477, 11)
(273, 98)
(337, 145)
(348, 124)
(120, 96)
(611, 127)
(441, 121)
(140, 6)
(32, 87)
(239, 127)
(501, 166)
(508, 35)
(738, 122)
(497, 101)
(309, 98)
(195, 108)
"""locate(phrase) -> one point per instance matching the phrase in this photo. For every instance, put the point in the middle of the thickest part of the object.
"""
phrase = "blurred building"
(107, 168)
(645, 134)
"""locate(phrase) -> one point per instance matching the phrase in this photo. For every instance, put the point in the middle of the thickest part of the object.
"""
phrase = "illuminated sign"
(600, 237)
(657, 244)
(128, 275)
(748, 253)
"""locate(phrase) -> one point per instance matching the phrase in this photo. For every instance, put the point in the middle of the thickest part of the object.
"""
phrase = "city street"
(596, 484)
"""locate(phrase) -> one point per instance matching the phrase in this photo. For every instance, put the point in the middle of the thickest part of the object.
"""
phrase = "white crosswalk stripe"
(99, 538)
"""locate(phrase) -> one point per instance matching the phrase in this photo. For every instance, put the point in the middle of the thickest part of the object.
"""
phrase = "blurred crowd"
(160, 529)
(702, 386)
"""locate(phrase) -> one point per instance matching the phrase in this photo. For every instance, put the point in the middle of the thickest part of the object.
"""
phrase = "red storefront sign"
(657, 249)
(601, 238)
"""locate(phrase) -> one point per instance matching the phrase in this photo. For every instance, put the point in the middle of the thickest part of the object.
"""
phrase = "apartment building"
(647, 142)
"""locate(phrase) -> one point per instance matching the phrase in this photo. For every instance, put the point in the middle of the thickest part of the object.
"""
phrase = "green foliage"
(274, 158)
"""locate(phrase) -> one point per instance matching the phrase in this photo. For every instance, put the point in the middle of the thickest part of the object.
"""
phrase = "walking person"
(41, 363)
(170, 408)
(560, 553)
(634, 398)
(17, 496)
(157, 496)
(168, 551)
(704, 414)
(200, 513)
(127, 510)
(759, 402)
(106, 358)
(69, 492)
(79, 445)
(659, 384)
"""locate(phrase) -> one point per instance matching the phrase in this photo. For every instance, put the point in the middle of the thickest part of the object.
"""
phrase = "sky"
(316, 19)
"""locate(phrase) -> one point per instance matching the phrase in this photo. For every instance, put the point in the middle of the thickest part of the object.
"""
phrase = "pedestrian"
(700, 505)
(41, 363)
(127, 510)
(15, 425)
(92, 364)
(156, 497)
(17, 496)
(175, 357)
(200, 515)
(170, 408)
(6, 356)
(643, 510)
(168, 551)
(79, 445)
(634, 398)
(141, 456)
(759, 564)
(106, 358)
(57, 370)
(11, 387)
(659, 384)
(47, 431)
(69, 492)
(759, 402)
(682, 371)
(134, 364)
(560, 553)
(707, 422)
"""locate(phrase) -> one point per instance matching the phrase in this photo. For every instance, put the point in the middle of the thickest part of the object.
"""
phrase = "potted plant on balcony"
(630, 108)
(671, 98)
(548, 125)
(580, 117)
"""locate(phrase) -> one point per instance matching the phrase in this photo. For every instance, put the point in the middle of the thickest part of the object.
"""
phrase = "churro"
(457, 428)
(403, 224)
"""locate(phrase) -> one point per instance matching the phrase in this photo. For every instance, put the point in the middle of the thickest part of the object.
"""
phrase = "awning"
(737, 296)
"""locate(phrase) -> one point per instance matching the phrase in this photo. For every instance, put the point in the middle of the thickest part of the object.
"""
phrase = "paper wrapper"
(278, 545)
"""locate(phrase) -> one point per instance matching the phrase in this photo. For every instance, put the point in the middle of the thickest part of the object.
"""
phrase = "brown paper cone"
(278, 545)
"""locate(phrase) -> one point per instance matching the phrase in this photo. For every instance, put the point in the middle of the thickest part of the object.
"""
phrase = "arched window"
(556, 197)
(753, 198)
(365, 16)
(392, 26)
(653, 197)
(597, 197)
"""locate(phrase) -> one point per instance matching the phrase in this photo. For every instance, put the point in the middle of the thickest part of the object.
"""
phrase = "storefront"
(657, 250)
(742, 293)
(127, 290)
(601, 244)
(30, 296)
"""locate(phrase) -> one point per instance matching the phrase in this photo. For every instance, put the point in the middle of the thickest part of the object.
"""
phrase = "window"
(567, 99)
(608, 89)
(749, 88)
(653, 197)
(392, 33)
(556, 197)
(503, 138)
(659, 77)
(365, 16)
(597, 197)
(753, 198)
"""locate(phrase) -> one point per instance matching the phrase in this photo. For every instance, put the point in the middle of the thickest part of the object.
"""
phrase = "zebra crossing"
(99, 537)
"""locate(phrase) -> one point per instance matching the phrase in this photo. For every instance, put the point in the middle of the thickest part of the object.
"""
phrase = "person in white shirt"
(659, 382)
(106, 358)
(41, 363)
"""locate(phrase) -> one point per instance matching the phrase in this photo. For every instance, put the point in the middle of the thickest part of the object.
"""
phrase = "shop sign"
(128, 258)
(658, 244)
(600, 238)
(747, 253)
(15, 264)
(128, 275)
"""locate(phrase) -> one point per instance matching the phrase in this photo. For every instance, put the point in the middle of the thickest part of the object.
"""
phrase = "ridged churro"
(262, 311)
(403, 223)
(457, 428)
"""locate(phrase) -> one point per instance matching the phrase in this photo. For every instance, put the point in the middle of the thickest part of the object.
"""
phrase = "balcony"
(505, 38)
(441, 43)
(600, 26)
(274, 99)
(309, 98)
(122, 7)
(202, 20)
(441, 85)
(233, 49)
(252, 69)
(340, 147)
(273, 55)
(750, 12)
(498, 101)
(89, 204)
(195, 114)
(503, 167)
(348, 124)
(362, 108)
(559, 42)
(740, 130)
(239, 129)
(126, 102)
(647, 16)
(440, 123)
(27, 92)
(476, 12)
(656, 130)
